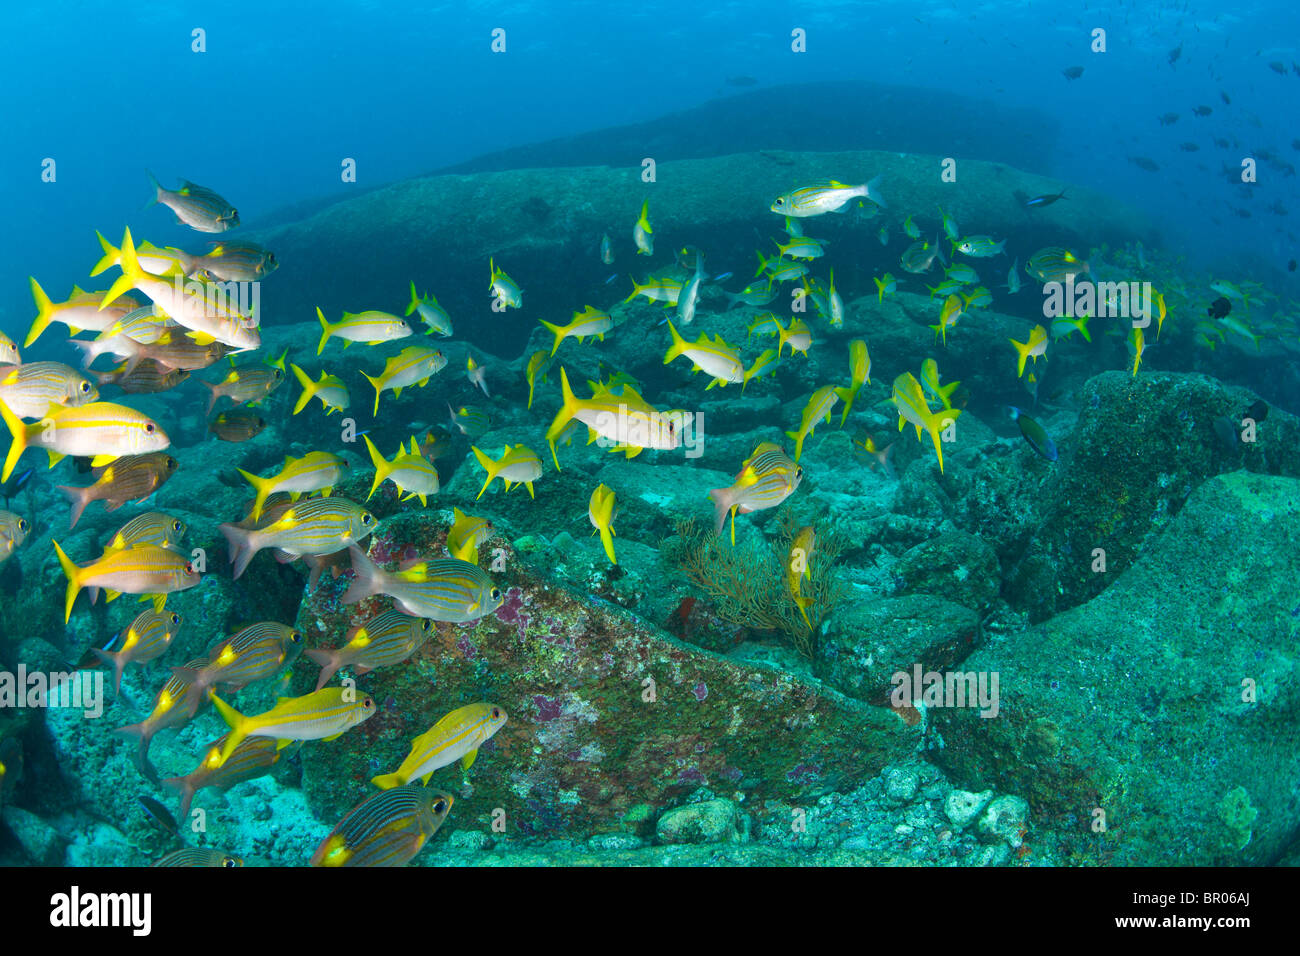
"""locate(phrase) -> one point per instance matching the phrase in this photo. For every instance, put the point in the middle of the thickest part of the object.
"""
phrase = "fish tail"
(328, 661)
(388, 781)
(78, 498)
(935, 424)
(607, 539)
(368, 579)
(382, 466)
(678, 346)
(187, 790)
(20, 436)
(568, 408)
(722, 503)
(488, 465)
(798, 443)
(873, 193)
(378, 383)
(157, 190)
(262, 486)
(115, 661)
(326, 331)
(131, 272)
(635, 289)
(415, 299)
(111, 255)
(240, 545)
(1082, 325)
(1022, 355)
(238, 727)
(558, 333)
(143, 731)
(308, 388)
(73, 574)
(846, 396)
(44, 313)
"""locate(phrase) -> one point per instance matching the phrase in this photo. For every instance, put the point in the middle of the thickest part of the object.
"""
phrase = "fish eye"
(234, 214)
(295, 637)
(798, 473)
(367, 518)
(496, 594)
(23, 525)
(440, 806)
(427, 624)
(496, 713)
(277, 374)
(368, 703)
(176, 620)
(228, 862)
(85, 387)
(780, 201)
(149, 428)
(189, 568)
(176, 526)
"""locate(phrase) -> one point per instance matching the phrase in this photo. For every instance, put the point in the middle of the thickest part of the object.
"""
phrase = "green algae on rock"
(1149, 707)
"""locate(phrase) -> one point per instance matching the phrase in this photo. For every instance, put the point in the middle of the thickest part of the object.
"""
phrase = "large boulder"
(611, 721)
(1167, 707)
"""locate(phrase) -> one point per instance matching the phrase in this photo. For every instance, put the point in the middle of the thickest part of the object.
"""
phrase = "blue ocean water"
(282, 94)
(1160, 107)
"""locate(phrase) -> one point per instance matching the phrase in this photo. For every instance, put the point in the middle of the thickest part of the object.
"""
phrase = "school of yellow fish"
(180, 324)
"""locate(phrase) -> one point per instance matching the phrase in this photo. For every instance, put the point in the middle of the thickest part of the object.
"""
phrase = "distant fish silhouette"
(1072, 72)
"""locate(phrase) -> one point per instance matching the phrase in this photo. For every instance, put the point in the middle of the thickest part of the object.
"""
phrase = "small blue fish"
(722, 277)
(611, 278)
(16, 484)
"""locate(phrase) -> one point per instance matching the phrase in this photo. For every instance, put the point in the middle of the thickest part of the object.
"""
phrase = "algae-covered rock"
(709, 821)
(956, 565)
(1140, 447)
(870, 641)
(606, 714)
(1159, 721)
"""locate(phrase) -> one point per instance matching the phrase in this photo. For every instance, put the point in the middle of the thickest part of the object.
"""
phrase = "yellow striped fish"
(246, 384)
(414, 365)
(199, 856)
(144, 639)
(251, 759)
(153, 528)
(458, 736)
(320, 715)
(83, 310)
(409, 471)
(387, 638)
(767, 478)
(9, 354)
(466, 534)
(254, 653)
(167, 711)
(144, 570)
(817, 410)
(385, 829)
(129, 478)
(13, 532)
(193, 305)
(909, 399)
(314, 471)
(330, 389)
(371, 327)
(447, 590)
(518, 465)
(313, 526)
(31, 390)
(625, 418)
(99, 430)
